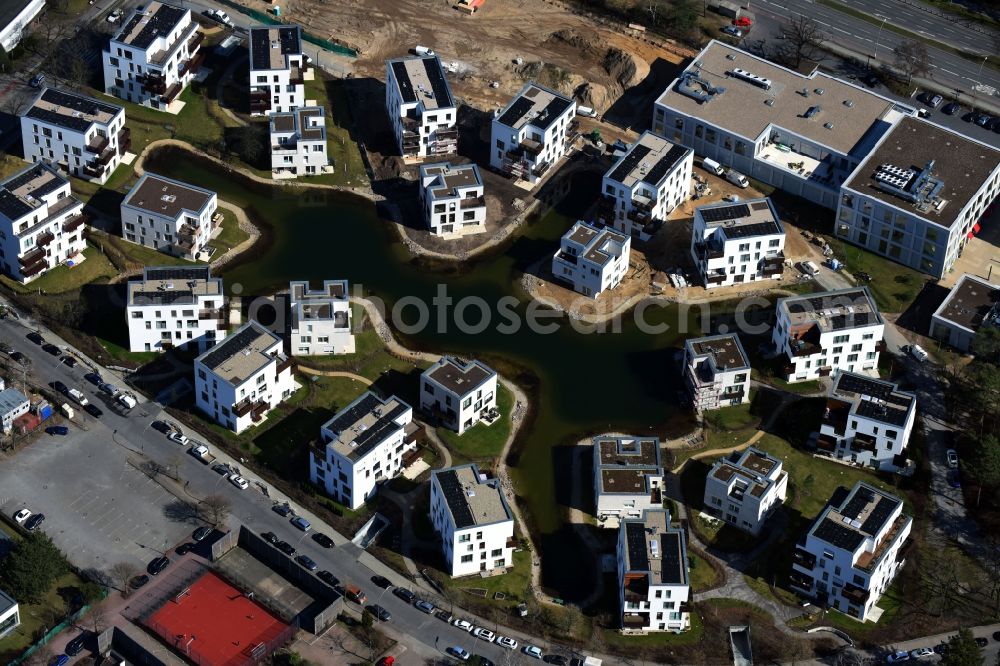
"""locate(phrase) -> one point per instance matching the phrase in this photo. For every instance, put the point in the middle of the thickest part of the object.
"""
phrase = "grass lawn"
(721, 535)
(231, 234)
(34, 617)
(893, 285)
(703, 575)
(663, 639)
(10, 164)
(341, 148)
(482, 441)
(516, 583)
(133, 255)
(120, 353)
(64, 278)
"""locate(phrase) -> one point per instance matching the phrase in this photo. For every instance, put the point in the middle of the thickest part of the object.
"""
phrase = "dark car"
(35, 337)
(220, 468)
(404, 594)
(282, 509)
(382, 582)
(996, 635)
(161, 426)
(69, 360)
(328, 578)
(32, 523)
(75, 646)
(201, 533)
(51, 349)
(60, 387)
(954, 480)
(93, 378)
(322, 539)
(982, 642)
(138, 581)
(37, 80)
(184, 548)
(380, 612)
(871, 80)
(4, 347)
(157, 565)
(270, 537)
(93, 410)
(483, 661)
(307, 562)
(982, 120)
(444, 616)
(18, 356)
(57, 430)
(951, 109)
(285, 547)
(556, 659)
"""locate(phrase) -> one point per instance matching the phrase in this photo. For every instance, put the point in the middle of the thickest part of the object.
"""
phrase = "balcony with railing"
(531, 147)
(246, 406)
(44, 239)
(607, 207)
(98, 144)
(211, 313)
(192, 64)
(826, 443)
(260, 101)
(773, 266)
(540, 170)
(804, 559)
(881, 347)
(105, 158)
(802, 347)
(94, 170)
(634, 621)
(124, 140)
(171, 93)
(854, 594)
(32, 256)
(835, 415)
(74, 223)
(284, 362)
(446, 133)
(800, 581)
(152, 83)
(706, 251)
(195, 41)
(472, 202)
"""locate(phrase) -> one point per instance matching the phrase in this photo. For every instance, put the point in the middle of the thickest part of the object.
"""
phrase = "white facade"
(628, 476)
(645, 185)
(41, 224)
(451, 196)
(10, 616)
(421, 109)
(84, 137)
(243, 377)
(21, 13)
(653, 588)
(852, 551)
(298, 142)
(170, 216)
(471, 516)
(278, 69)
(716, 371)
(459, 393)
(361, 446)
(920, 196)
(153, 57)
(175, 306)
(867, 421)
(744, 488)
(591, 260)
(972, 303)
(320, 319)
(531, 133)
(13, 404)
(824, 332)
(737, 243)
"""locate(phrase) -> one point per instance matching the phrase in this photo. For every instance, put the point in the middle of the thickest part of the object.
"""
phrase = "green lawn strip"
(231, 234)
(703, 575)
(120, 353)
(893, 285)
(36, 617)
(515, 584)
(341, 147)
(482, 441)
(657, 639)
(10, 164)
(64, 278)
(132, 253)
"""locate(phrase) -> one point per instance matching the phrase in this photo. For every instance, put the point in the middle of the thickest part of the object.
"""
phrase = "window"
(466, 559)
(464, 538)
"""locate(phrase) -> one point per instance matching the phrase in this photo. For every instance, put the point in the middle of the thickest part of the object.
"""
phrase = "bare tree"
(97, 620)
(152, 468)
(803, 40)
(42, 656)
(174, 466)
(215, 509)
(121, 573)
(912, 59)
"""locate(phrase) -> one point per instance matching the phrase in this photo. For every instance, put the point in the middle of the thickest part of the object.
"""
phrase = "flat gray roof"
(166, 196)
(969, 302)
(471, 500)
(173, 285)
(725, 350)
(242, 353)
(459, 376)
(853, 307)
(651, 159)
(448, 178)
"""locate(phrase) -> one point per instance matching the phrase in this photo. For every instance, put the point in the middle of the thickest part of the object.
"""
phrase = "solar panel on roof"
(551, 111)
(856, 505)
(838, 535)
(863, 385)
(161, 297)
(631, 160)
(749, 230)
(635, 538)
(720, 213)
(177, 273)
(231, 345)
(516, 111)
(403, 81)
(454, 494)
(159, 24)
(665, 164)
(12, 207)
(438, 85)
(876, 519)
(673, 569)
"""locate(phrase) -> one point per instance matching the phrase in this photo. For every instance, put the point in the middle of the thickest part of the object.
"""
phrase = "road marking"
(841, 30)
(949, 71)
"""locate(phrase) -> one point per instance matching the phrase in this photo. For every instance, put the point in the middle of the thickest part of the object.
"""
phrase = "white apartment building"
(716, 371)
(470, 514)
(15, 15)
(920, 196)
(867, 421)
(243, 377)
(153, 57)
(531, 133)
(80, 135)
(175, 306)
(591, 260)
(298, 142)
(828, 331)
(628, 476)
(737, 243)
(170, 216)
(278, 69)
(804, 134)
(13, 404)
(971, 304)
(10, 616)
(320, 319)
(744, 488)
(459, 393)
(645, 185)
(361, 446)
(451, 196)
(421, 110)
(653, 582)
(852, 551)
(41, 224)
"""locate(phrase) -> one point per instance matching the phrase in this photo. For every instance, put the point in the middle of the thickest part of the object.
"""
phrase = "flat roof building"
(716, 371)
(653, 584)
(175, 306)
(278, 69)
(168, 215)
(15, 16)
(628, 476)
(452, 199)
(298, 142)
(459, 393)
(737, 243)
(971, 304)
(745, 488)
(531, 133)
(591, 260)
(10, 616)
(320, 319)
(421, 108)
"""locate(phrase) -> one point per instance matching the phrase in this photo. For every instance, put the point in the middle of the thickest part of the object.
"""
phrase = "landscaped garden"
(482, 442)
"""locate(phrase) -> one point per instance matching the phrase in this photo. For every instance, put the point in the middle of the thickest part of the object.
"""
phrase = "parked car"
(60, 387)
(444, 616)
(36, 337)
(161, 426)
(184, 548)
(809, 268)
(382, 581)
(301, 523)
(178, 438)
(405, 594)
(21, 516)
(57, 430)
(282, 509)
(50, 348)
(285, 547)
(951, 109)
(871, 80)
(380, 613)
(556, 659)
(201, 533)
(307, 562)
(954, 479)
(917, 352)
(239, 481)
(897, 657)
(75, 646)
(934, 101)
(464, 625)
(69, 360)
(506, 642)
(952, 456)
(93, 410)
(322, 539)
(982, 120)
(921, 653)
(733, 31)
(483, 634)
(138, 581)
(981, 642)
(78, 397)
(459, 653)
(158, 565)
(355, 594)
(94, 379)
(32, 523)
(328, 578)
(425, 606)
(270, 537)
(37, 80)
(220, 468)
(18, 356)
(532, 651)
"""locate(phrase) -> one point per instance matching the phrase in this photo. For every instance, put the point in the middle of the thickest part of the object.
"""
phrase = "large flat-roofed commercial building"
(298, 142)
(592, 260)
(153, 57)
(421, 110)
(530, 134)
(852, 551)
(971, 304)
(320, 319)
(470, 514)
(653, 585)
(867, 421)
(736, 243)
(361, 446)
(278, 69)
(628, 476)
(824, 332)
(451, 196)
(645, 185)
(175, 306)
(41, 224)
(243, 377)
(920, 196)
(803, 134)
(459, 393)
(744, 488)
(716, 371)
(82, 136)
(170, 216)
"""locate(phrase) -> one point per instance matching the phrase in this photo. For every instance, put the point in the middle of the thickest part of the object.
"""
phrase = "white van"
(917, 352)
(586, 111)
(736, 178)
(809, 268)
(708, 164)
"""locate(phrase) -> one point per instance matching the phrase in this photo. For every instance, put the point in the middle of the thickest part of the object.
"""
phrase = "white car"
(809, 268)
(21, 516)
(239, 481)
(505, 642)
(922, 653)
(483, 634)
(952, 456)
(464, 625)
(533, 651)
(179, 438)
(917, 352)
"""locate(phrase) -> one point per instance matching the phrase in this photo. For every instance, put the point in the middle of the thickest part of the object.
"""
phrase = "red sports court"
(214, 624)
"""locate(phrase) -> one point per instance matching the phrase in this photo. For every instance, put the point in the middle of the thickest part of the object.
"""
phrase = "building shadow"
(917, 317)
(633, 109)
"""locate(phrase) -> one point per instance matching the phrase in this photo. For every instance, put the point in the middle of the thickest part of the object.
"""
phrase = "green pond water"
(582, 383)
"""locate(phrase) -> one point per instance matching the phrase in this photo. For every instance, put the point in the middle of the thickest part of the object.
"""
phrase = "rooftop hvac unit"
(654, 549)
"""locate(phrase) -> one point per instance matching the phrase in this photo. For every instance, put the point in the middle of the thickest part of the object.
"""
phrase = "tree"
(912, 59)
(216, 509)
(962, 650)
(803, 40)
(31, 567)
(986, 344)
(121, 573)
(91, 592)
(985, 468)
(97, 620)
(251, 143)
(684, 17)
